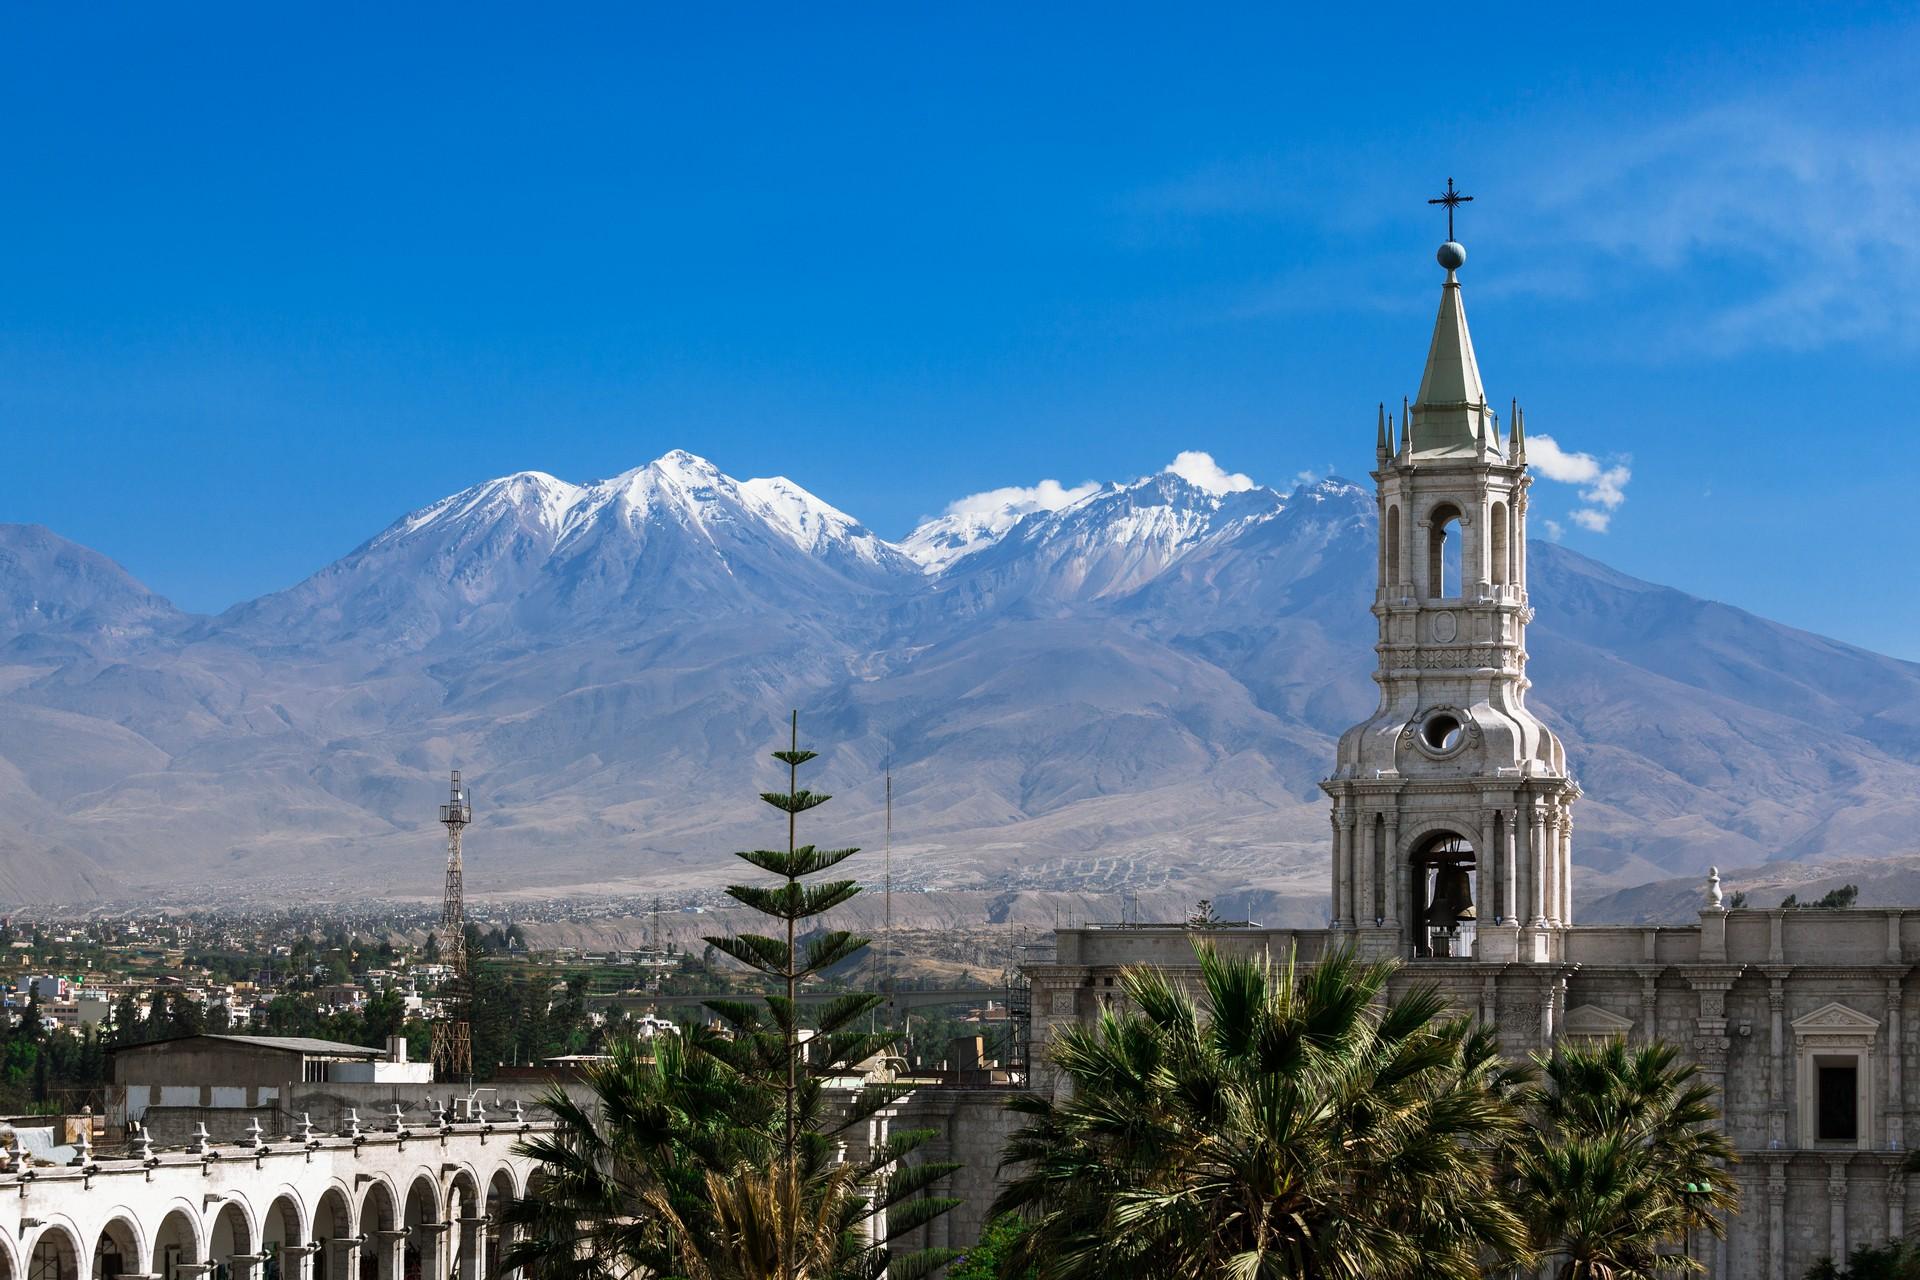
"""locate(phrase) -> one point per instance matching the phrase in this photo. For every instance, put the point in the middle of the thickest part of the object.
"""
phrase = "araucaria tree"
(811, 1216)
(720, 1158)
(1292, 1123)
(1623, 1164)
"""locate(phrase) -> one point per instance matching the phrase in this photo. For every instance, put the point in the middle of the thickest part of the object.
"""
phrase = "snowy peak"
(1110, 542)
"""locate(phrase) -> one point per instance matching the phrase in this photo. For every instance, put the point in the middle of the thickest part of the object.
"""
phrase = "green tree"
(1624, 1158)
(720, 1158)
(1895, 1260)
(808, 1185)
(991, 1257)
(1293, 1123)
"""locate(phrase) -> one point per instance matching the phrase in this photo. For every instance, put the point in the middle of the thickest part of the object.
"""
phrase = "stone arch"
(1498, 544)
(1393, 545)
(233, 1239)
(120, 1248)
(426, 1228)
(179, 1241)
(283, 1235)
(379, 1231)
(466, 1219)
(1446, 534)
(9, 1259)
(55, 1254)
(502, 1191)
(334, 1233)
(1442, 858)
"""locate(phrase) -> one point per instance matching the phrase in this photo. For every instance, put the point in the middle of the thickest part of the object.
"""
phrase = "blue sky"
(269, 278)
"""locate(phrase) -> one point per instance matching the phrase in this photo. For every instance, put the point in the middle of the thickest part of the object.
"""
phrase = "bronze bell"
(1452, 897)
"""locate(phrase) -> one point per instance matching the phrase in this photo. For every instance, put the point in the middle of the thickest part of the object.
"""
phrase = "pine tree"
(809, 1189)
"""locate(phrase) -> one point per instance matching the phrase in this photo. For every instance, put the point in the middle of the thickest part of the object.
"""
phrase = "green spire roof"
(1452, 405)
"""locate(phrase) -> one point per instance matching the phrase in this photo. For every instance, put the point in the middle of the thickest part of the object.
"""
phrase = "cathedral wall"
(1760, 998)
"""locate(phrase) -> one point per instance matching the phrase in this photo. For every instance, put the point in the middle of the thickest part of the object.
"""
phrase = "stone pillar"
(1650, 1006)
(1777, 1222)
(1394, 873)
(1563, 867)
(392, 1246)
(1777, 1060)
(1360, 849)
(1837, 1209)
(1509, 879)
(1536, 865)
(1491, 909)
(1519, 535)
(472, 1249)
(1896, 1202)
(1342, 870)
(1896, 1051)
(1710, 1042)
(348, 1251)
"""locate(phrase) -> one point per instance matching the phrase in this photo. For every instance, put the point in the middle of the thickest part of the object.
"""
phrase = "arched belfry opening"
(1446, 886)
(1443, 552)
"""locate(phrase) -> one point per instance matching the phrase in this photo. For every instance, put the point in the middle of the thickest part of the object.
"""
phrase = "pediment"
(1592, 1020)
(1835, 1017)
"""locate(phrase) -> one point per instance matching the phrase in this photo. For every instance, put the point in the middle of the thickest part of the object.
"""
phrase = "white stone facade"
(389, 1205)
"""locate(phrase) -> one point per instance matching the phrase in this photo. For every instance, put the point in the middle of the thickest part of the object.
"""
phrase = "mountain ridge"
(1136, 685)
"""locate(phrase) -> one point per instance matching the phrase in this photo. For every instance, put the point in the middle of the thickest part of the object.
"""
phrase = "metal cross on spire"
(1453, 200)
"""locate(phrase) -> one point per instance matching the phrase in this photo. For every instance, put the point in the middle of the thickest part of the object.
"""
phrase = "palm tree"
(1290, 1124)
(626, 1174)
(1623, 1159)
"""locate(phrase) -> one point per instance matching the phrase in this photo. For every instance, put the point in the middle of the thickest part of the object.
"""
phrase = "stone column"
(1536, 865)
(1837, 1209)
(1650, 1006)
(1519, 535)
(392, 1247)
(1360, 848)
(1777, 1222)
(1342, 871)
(1394, 873)
(1563, 867)
(1896, 1202)
(1487, 879)
(348, 1268)
(1509, 878)
(1777, 1061)
(477, 1226)
(1710, 1042)
(1896, 1051)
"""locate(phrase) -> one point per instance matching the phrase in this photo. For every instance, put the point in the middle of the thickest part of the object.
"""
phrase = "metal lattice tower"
(886, 928)
(452, 1031)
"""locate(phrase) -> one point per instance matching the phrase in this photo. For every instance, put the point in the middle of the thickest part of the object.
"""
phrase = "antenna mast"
(452, 1032)
(886, 894)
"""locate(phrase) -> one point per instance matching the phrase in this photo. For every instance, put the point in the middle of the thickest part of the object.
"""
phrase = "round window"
(1441, 731)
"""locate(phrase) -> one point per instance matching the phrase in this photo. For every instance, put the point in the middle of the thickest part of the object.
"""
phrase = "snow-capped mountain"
(1135, 684)
(530, 550)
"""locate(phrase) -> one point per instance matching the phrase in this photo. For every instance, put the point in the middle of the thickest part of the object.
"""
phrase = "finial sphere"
(1452, 255)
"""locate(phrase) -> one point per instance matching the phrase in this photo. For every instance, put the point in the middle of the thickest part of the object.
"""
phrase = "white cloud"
(1200, 470)
(1603, 486)
(1555, 530)
(1593, 519)
(1048, 495)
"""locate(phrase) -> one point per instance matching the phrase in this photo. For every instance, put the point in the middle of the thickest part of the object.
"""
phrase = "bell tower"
(1452, 828)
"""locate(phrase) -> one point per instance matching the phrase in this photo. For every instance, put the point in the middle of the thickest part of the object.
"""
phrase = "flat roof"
(307, 1045)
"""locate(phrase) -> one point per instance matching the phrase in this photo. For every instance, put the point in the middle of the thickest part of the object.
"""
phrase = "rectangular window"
(1839, 1103)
